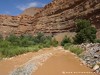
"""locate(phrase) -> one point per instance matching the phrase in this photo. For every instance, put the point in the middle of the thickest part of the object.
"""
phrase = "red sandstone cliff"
(56, 17)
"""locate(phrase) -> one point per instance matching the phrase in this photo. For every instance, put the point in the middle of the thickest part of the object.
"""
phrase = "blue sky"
(15, 7)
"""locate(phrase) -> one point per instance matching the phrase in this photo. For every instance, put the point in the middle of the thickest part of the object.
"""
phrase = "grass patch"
(15, 50)
(73, 48)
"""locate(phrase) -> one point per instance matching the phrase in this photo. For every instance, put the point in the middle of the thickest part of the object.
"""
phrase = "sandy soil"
(63, 64)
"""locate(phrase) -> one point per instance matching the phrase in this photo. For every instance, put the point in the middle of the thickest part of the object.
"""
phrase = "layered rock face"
(15, 25)
(57, 17)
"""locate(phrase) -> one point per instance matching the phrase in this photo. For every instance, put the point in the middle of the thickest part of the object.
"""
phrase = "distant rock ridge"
(31, 11)
(56, 17)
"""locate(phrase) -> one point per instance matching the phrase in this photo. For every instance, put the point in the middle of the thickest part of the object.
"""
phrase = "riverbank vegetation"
(15, 45)
(86, 33)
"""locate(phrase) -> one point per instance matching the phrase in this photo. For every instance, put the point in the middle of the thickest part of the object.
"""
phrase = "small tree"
(13, 39)
(39, 38)
(25, 40)
(65, 41)
(81, 24)
(54, 42)
(48, 41)
(85, 33)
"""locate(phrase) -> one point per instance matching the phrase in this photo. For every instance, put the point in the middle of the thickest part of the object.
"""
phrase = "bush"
(74, 49)
(81, 24)
(1, 56)
(26, 40)
(54, 42)
(13, 39)
(47, 43)
(97, 40)
(23, 40)
(37, 48)
(16, 45)
(15, 50)
(1, 37)
(65, 41)
(85, 33)
(39, 38)
(67, 46)
(5, 44)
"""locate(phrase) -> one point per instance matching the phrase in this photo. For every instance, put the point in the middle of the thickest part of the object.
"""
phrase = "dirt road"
(52, 61)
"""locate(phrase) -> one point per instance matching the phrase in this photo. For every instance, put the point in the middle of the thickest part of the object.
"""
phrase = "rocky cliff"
(59, 15)
(56, 17)
(15, 24)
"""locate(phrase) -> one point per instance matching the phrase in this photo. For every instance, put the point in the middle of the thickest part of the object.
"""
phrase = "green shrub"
(13, 39)
(1, 37)
(97, 40)
(16, 45)
(67, 46)
(23, 40)
(15, 50)
(36, 48)
(65, 41)
(54, 42)
(76, 50)
(39, 38)
(73, 48)
(1, 56)
(26, 40)
(85, 33)
(81, 24)
(47, 43)
(5, 44)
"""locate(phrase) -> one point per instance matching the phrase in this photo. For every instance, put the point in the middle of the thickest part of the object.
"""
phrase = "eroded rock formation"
(56, 17)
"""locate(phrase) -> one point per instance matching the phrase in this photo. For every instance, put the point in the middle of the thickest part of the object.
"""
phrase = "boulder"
(96, 67)
(92, 55)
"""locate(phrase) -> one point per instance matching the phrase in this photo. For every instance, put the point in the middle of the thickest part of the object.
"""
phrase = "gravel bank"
(91, 56)
(33, 64)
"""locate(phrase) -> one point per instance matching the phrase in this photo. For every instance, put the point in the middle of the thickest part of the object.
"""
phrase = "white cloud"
(32, 4)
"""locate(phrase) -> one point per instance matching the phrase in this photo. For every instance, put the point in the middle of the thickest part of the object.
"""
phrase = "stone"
(96, 67)
(92, 55)
(96, 56)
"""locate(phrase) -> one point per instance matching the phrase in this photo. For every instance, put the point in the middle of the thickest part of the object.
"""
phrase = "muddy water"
(8, 65)
(63, 64)
(60, 63)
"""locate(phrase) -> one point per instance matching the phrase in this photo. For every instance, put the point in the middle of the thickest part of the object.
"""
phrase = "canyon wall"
(56, 17)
